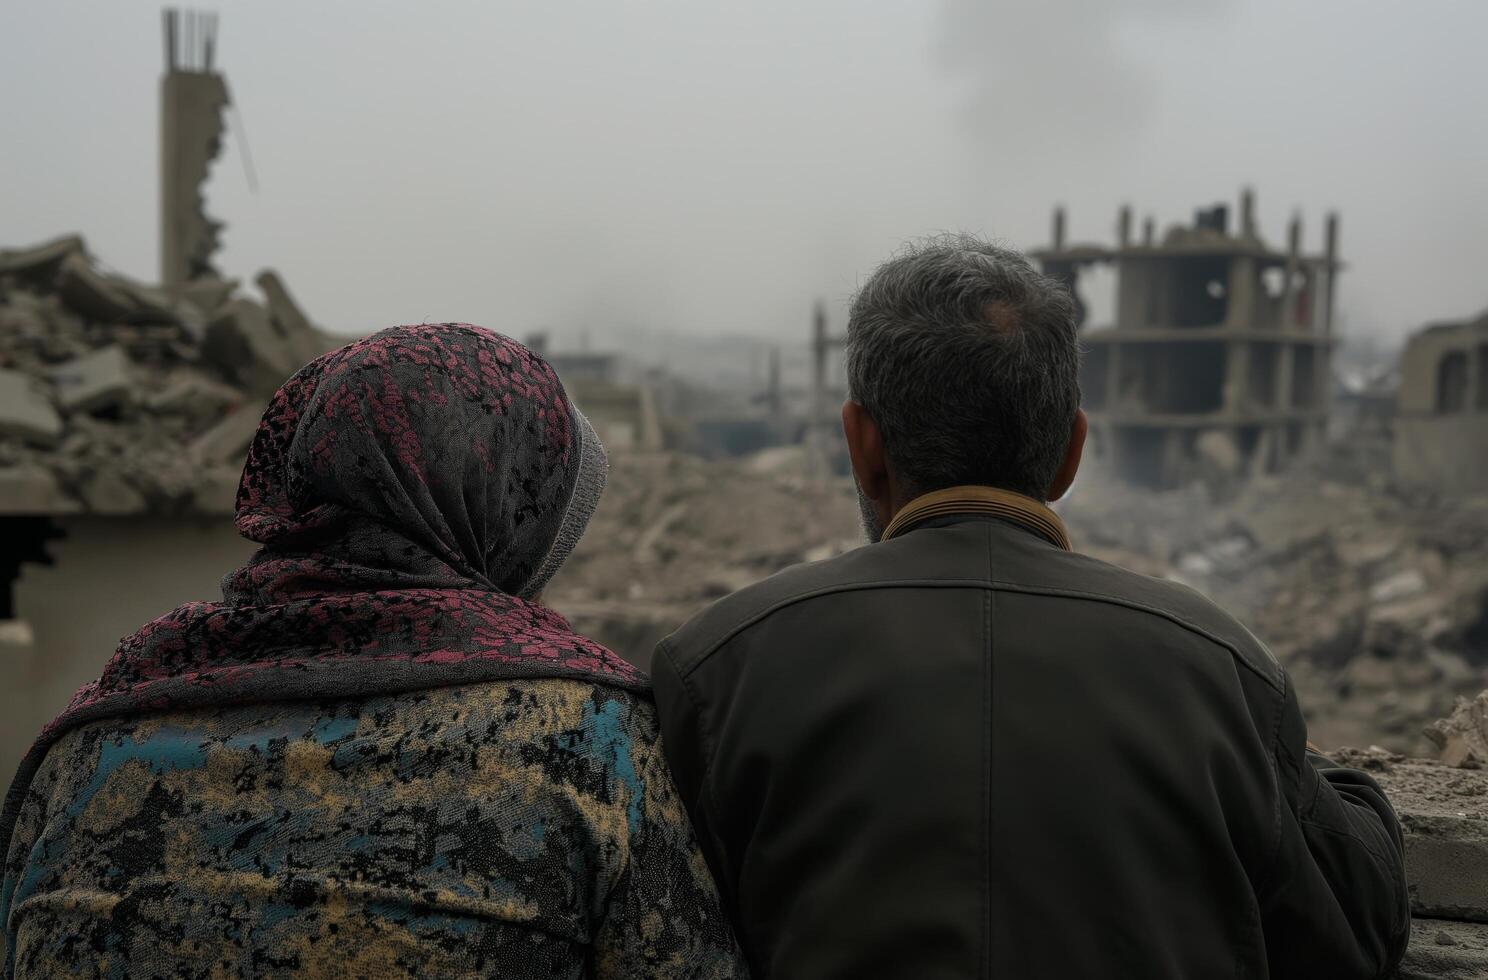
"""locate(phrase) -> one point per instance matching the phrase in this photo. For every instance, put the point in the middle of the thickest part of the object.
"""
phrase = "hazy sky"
(713, 167)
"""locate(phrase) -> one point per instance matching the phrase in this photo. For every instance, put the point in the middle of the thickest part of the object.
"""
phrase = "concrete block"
(243, 341)
(32, 490)
(1444, 950)
(217, 490)
(189, 393)
(207, 295)
(97, 296)
(40, 262)
(106, 492)
(25, 410)
(305, 340)
(227, 441)
(95, 381)
(1444, 813)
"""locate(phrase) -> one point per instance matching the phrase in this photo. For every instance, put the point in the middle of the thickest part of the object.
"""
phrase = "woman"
(378, 755)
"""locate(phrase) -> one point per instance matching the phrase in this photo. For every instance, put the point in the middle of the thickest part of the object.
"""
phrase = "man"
(967, 751)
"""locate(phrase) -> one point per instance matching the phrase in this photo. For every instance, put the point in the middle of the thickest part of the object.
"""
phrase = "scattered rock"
(112, 401)
(1462, 738)
(97, 380)
(26, 413)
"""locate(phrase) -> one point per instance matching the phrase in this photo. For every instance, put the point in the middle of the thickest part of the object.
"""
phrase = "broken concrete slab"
(26, 412)
(242, 341)
(98, 380)
(1444, 813)
(194, 393)
(208, 294)
(40, 262)
(227, 441)
(91, 293)
(106, 492)
(217, 490)
(29, 489)
(306, 341)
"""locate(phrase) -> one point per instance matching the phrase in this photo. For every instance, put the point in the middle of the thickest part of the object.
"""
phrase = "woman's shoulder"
(559, 714)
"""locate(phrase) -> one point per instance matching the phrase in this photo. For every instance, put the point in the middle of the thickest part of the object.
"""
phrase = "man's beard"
(872, 529)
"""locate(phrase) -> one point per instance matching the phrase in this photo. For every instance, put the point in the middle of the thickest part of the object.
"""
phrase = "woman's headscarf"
(412, 492)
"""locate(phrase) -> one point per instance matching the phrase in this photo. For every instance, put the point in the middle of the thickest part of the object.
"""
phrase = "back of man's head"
(966, 358)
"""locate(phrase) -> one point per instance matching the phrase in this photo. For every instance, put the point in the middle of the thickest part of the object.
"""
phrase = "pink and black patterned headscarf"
(442, 455)
(413, 492)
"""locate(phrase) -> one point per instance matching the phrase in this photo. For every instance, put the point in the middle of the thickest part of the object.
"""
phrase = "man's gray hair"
(967, 359)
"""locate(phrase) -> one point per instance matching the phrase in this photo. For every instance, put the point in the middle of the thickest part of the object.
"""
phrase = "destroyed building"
(1441, 417)
(1218, 356)
(125, 412)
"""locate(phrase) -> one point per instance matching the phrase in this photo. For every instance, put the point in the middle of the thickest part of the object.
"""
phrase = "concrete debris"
(1376, 602)
(248, 345)
(92, 294)
(1445, 950)
(208, 295)
(39, 262)
(1444, 815)
(106, 492)
(98, 380)
(1401, 585)
(1462, 737)
(115, 397)
(673, 532)
(227, 441)
(26, 490)
(26, 413)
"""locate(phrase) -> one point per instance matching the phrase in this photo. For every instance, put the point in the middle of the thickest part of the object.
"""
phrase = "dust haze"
(666, 166)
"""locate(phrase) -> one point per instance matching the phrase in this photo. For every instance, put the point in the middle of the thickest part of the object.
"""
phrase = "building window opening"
(1200, 292)
(1304, 378)
(1451, 383)
(1483, 377)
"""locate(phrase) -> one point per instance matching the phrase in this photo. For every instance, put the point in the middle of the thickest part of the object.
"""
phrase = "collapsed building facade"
(1441, 417)
(125, 411)
(1218, 356)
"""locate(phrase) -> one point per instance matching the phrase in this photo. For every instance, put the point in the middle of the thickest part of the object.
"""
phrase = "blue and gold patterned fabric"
(519, 828)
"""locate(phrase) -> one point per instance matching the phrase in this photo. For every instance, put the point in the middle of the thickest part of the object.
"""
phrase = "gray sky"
(712, 167)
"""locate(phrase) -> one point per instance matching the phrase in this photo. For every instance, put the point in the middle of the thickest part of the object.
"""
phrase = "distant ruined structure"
(1218, 360)
(1441, 416)
(125, 411)
(192, 99)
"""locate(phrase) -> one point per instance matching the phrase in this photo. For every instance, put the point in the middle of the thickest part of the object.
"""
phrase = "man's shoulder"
(1165, 603)
(1001, 560)
(868, 567)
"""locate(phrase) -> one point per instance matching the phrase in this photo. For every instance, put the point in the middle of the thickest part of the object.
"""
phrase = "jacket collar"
(1027, 513)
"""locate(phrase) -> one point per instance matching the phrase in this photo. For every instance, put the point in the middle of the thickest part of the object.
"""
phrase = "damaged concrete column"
(192, 98)
(1247, 213)
(1289, 318)
(1330, 268)
(1241, 290)
(1286, 360)
(1236, 376)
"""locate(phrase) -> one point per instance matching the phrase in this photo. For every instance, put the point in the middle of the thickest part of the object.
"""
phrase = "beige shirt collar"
(1023, 511)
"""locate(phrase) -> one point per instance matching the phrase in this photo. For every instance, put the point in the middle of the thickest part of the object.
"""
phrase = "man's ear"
(1067, 469)
(865, 449)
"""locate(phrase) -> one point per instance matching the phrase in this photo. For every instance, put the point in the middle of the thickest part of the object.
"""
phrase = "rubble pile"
(119, 398)
(675, 532)
(1376, 602)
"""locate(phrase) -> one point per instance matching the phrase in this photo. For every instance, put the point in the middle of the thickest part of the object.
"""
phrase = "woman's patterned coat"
(518, 829)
